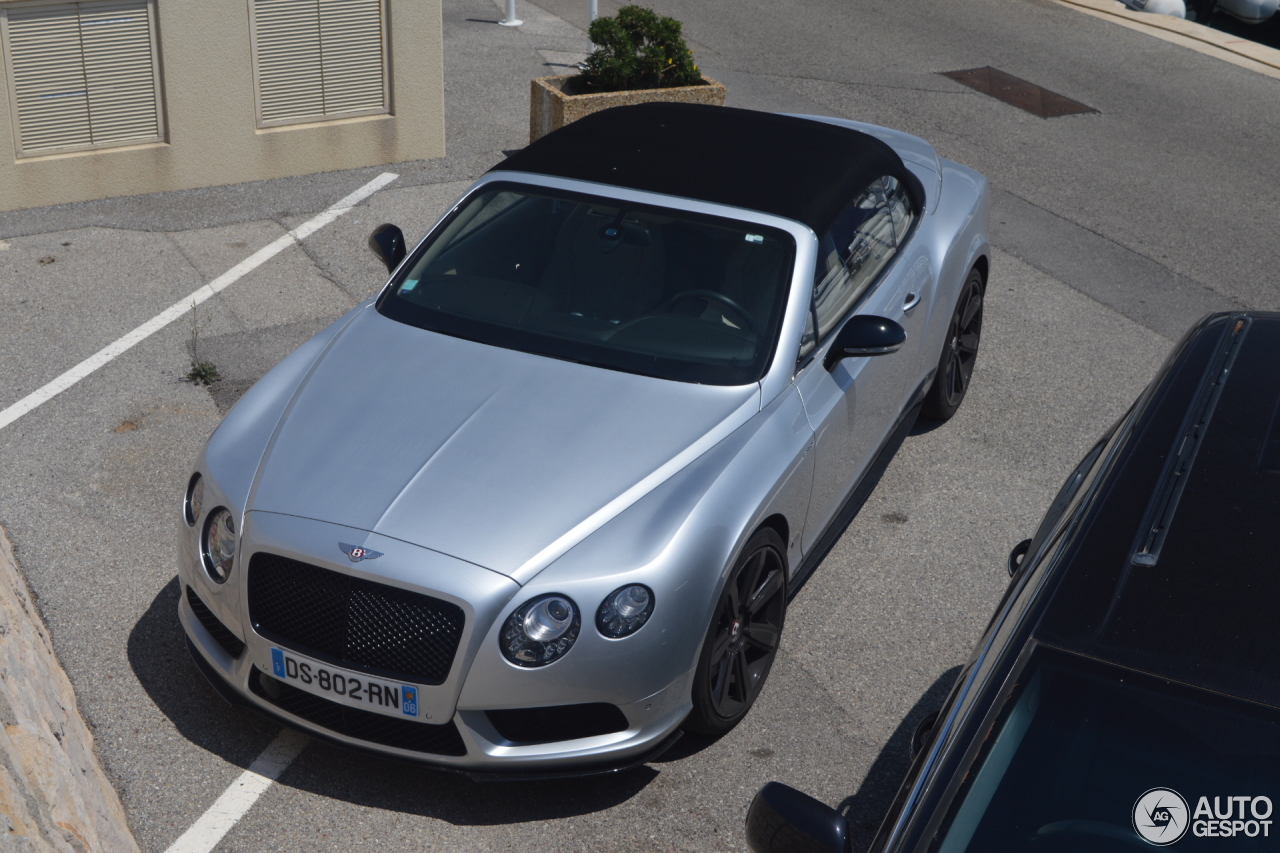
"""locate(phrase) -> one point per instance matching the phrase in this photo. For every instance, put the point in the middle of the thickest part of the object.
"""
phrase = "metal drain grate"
(1018, 92)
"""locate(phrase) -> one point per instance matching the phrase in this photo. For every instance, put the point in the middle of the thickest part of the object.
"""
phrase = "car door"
(853, 406)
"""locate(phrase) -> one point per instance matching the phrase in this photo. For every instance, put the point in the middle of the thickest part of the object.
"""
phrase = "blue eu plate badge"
(409, 701)
(277, 664)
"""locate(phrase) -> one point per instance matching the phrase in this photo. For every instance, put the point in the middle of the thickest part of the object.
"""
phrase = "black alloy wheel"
(742, 639)
(959, 352)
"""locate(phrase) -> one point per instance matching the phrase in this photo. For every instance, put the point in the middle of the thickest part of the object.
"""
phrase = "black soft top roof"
(1204, 610)
(798, 168)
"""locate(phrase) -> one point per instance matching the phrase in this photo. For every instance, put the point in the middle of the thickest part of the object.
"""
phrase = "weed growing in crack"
(202, 372)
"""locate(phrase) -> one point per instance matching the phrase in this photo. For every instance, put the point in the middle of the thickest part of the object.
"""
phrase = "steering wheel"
(713, 296)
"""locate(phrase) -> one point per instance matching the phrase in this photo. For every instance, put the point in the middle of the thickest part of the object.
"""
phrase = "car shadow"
(687, 746)
(924, 425)
(865, 810)
(158, 656)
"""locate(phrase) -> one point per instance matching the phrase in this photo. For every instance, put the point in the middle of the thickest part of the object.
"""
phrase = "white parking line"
(111, 351)
(205, 833)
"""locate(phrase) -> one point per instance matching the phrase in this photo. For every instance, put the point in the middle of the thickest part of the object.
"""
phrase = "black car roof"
(794, 167)
(1176, 571)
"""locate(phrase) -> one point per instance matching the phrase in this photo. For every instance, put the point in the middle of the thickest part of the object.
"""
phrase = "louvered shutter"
(351, 39)
(318, 58)
(120, 71)
(288, 50)
(48, 78)
(83, 74)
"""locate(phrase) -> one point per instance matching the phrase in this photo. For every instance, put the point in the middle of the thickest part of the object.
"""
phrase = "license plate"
(343, 686)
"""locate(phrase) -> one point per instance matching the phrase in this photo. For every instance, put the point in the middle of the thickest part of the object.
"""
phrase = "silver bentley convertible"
(540, 506)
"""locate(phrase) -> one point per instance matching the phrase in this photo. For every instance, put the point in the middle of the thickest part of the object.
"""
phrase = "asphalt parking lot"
(1113, 232)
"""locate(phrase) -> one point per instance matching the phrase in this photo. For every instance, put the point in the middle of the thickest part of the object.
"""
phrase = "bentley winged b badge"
(356, 553)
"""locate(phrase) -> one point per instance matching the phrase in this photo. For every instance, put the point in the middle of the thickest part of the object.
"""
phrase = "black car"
(1127, 690)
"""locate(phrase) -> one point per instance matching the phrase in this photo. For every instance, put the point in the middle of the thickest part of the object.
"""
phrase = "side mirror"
(865, 335)
(387, 242)
(923, 734)
(783, 820)
(1016, 555)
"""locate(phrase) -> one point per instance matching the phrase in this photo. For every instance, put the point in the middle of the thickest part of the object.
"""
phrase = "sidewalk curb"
(1226, 46)
(53, 794)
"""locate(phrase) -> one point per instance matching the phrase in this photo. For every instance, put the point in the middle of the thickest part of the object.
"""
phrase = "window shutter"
(48, 78)
(287, 37)
(120, 71)
(351, 38)
(318, 58)
(83, 74)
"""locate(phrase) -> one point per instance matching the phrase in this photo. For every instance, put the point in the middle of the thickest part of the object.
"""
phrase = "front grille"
(355, 723)
(232, 644)
(557, 723)
(351, 622)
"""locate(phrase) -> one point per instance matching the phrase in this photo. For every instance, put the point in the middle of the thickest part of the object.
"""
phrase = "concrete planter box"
(550, 107)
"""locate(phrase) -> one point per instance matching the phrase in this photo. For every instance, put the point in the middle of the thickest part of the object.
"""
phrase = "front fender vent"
(557, 722)
(230, 643)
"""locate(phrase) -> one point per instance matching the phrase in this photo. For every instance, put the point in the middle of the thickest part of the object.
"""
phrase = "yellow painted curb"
(1226, 46)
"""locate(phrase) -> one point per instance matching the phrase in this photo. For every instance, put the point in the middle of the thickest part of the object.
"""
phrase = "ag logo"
(356, 553)
(1160, 816)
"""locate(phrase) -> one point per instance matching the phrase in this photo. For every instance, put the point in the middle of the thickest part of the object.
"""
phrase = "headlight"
(624, 611)
(540, 631)
(195, 498)
(218, 548)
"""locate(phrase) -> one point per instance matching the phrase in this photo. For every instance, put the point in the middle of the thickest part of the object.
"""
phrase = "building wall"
(210, 115)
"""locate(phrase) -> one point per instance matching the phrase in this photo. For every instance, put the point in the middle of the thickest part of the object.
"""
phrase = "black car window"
(1079, 743)
(630, 287)
(1074, 488)
(864, 238)
(1064, 497)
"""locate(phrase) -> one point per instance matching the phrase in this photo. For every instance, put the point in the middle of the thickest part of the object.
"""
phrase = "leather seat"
(753, 278)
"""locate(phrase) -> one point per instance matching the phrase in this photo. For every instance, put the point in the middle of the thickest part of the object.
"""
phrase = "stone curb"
(1226, 46)
(54, 797)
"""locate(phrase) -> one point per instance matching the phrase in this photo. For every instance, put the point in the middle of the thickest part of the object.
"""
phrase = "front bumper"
(611, 763)
(451, 731)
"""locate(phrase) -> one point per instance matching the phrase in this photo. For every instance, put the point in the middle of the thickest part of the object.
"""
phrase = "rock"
(53, 794)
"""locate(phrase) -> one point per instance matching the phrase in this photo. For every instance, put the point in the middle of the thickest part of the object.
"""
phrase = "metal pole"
(595, 9)
(512, 20)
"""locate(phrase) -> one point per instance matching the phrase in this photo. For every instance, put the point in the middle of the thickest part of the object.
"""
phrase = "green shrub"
(636, 50)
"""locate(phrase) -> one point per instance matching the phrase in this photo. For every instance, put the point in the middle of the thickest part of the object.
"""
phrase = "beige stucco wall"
(211, 127)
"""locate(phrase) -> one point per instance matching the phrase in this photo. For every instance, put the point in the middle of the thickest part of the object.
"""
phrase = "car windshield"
(630, 287)
(1089, 757)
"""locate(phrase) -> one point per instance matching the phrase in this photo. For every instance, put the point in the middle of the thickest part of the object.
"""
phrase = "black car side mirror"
(923, 734)
(865, 335)
(783, 820)
(1017, 555)
(387, 242)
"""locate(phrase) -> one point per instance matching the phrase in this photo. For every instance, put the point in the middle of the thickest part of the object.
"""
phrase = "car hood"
(500, 458)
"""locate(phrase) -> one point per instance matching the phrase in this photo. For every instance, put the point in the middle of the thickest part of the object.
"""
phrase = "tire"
(742, 639)
(959, 352)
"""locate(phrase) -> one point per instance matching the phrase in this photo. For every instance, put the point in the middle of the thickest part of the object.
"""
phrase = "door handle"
(913, 299)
